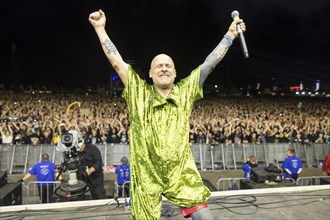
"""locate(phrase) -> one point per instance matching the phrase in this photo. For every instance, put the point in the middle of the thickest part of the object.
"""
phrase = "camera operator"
(83, 163)
(92, 160)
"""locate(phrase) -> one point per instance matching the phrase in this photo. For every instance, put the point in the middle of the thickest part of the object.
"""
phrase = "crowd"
(28, 118)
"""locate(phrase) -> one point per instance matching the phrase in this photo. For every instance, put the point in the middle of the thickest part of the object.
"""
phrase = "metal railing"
(224, 184)
(123, 195)
(311, 180)
(229, 184)
(17, 159)
(31, 191)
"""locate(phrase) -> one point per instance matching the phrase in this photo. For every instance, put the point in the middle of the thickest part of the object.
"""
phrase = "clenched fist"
(97, 19)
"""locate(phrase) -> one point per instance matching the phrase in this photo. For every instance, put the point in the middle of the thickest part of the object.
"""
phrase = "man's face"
(162, 71)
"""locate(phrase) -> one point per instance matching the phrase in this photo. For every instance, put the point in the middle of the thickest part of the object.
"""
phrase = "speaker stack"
(10, 193)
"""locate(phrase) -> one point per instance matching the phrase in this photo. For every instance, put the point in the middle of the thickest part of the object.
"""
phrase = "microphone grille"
(235, 14)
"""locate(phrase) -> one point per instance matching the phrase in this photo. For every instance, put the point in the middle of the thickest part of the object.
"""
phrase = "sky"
(51, 42)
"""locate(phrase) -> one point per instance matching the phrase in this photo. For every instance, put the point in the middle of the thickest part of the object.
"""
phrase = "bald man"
(161, 160)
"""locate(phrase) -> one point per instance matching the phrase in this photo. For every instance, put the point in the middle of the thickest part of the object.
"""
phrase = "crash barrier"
(126, 184)
(30, 194)
(30, 191)
(18, 159)
(229, 184)
(313, 180)
(224, 184)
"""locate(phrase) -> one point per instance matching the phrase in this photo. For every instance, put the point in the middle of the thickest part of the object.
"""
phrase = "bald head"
(161, 58)
(162, 72)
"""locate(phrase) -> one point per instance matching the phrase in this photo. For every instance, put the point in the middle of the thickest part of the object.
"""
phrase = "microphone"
(235, 16)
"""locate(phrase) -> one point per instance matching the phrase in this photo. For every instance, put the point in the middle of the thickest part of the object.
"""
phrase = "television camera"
(70, 144)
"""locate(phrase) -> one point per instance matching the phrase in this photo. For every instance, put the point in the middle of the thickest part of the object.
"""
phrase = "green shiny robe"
(160, 157)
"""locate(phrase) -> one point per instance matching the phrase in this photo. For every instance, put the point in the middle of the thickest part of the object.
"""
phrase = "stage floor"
(305, 202)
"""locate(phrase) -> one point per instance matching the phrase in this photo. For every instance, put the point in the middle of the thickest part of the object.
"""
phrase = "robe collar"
(158, 100)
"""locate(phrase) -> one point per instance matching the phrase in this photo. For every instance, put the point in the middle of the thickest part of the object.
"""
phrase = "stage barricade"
(239, 155)
(313, 180)
(218, 157)
(196, 150)
(123, 195)
(224, 184)
(117, 151)
(249, 150)
(260, 151)
(301, 152)
(320, 150)
(5, 156)
(18, 159)
(31, 194)
(230, 160)
(279, 153)
(311, 156)
(208, 156)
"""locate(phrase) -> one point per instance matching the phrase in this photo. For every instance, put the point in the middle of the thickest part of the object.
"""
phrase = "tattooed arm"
(220, 51)
(98, 19)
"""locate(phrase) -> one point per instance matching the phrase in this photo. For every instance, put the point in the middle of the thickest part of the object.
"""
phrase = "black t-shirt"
(192, 137)
(91, 157)
(113, 138)
(216, 137)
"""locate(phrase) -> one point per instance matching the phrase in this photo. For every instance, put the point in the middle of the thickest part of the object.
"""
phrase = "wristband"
(229, 41)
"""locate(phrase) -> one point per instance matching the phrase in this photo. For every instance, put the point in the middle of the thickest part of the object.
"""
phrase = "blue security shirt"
(123, 173)
(247, 170)
(44, 171)
(293, 164)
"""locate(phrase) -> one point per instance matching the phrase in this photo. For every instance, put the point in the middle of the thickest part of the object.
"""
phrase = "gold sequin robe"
(160, 156)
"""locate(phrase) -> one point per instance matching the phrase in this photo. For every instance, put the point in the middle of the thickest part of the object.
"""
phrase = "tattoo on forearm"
(109, 46)
(221, 49)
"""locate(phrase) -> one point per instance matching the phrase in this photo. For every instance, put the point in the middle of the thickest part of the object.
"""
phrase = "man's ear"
(150, 74)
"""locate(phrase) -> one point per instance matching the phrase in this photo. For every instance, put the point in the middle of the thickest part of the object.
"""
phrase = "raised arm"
(220, 51)
(98, 20)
